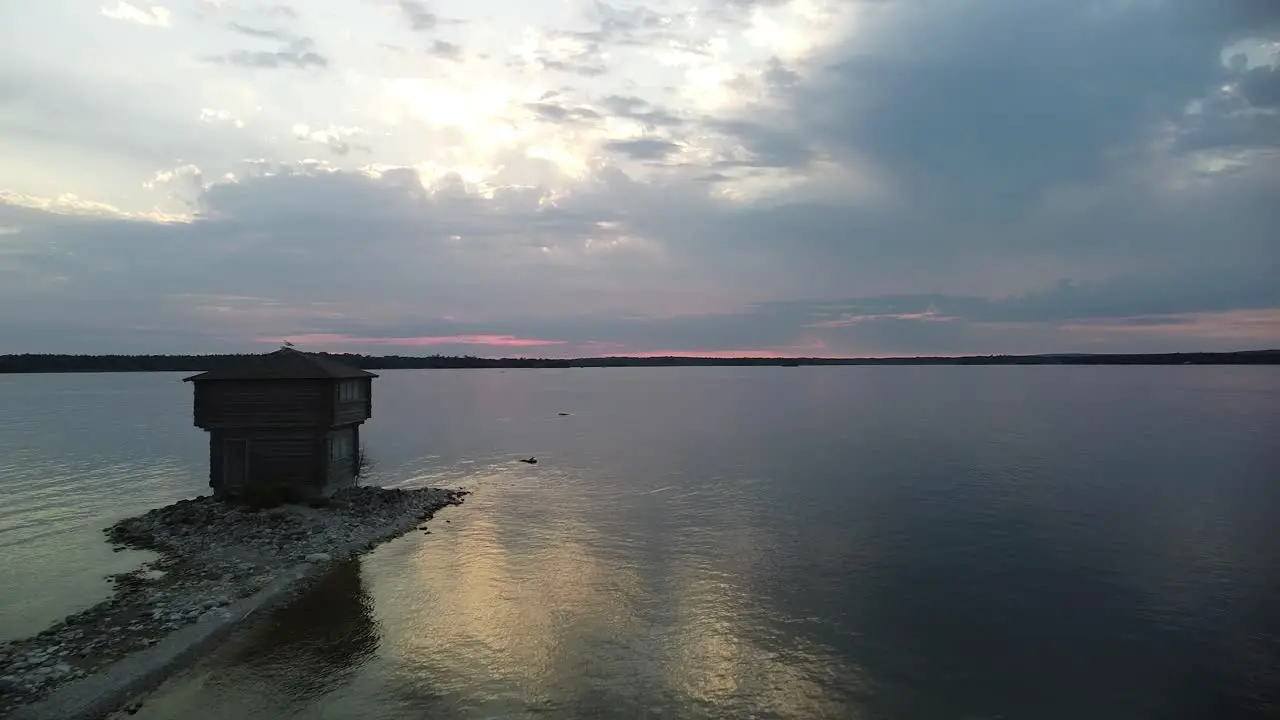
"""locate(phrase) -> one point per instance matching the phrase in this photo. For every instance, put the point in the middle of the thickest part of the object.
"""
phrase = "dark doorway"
(235, 466)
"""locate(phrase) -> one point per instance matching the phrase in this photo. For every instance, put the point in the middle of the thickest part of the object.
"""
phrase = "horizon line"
(646, 356)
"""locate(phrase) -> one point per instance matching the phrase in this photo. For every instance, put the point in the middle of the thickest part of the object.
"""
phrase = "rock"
(10, 685)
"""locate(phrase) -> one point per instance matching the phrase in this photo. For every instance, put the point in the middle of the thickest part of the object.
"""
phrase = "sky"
(568, 178)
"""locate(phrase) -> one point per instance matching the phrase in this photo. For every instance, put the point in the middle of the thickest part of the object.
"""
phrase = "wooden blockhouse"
(286, 420)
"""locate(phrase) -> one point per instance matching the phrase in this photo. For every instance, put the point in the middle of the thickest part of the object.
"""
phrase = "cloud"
(296, 55)
(1149, 297)
(554, 112)
(294, 50)
(292, 221)
(445, 50)
(1001, 103)
(336, 138)
(765, 146)
(1260, 86)
(585, 66)
(641, 111)
(573, 52)
(633, 25)
(264, 33)
(493, 341)
(644, 148)
(210, 115)
(420, 19)
(66, 204)
(152, 15)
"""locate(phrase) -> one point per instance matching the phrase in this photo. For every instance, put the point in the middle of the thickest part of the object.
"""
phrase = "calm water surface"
(953, 542)
(78, 452)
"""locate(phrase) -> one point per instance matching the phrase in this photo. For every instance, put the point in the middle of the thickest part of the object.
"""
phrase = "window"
(350, 390)
(341, 445)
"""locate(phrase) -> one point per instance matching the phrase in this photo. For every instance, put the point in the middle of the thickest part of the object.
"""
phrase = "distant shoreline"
(50, 363)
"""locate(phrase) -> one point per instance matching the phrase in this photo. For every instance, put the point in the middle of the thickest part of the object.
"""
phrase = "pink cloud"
(927, 316)
(811, 346)
(1252, 328)
(324, 339)
(708, 354)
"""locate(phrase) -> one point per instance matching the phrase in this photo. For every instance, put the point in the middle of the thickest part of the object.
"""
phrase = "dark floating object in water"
(563, 414)
(531, 461)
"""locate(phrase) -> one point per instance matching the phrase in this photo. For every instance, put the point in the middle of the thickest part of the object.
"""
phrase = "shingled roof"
(283, 364)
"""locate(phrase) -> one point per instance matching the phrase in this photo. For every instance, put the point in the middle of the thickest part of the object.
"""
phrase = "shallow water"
(78, 452)
(968, 542)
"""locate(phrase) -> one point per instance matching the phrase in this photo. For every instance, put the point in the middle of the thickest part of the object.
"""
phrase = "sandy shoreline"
(219, 565)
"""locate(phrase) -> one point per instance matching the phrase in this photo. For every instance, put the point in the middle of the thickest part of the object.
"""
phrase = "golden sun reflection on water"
(720, 654)
(506, 605)
(550, 606)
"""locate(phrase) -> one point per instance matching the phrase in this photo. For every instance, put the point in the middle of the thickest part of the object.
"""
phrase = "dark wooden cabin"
(286, 419)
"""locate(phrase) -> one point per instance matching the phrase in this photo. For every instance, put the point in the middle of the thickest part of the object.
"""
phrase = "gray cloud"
(284, 234)
(1001, 102)
(1134, 300)
(1242, 112)
(445, 50)
(779, 77)
(632, 25)
(420, 19)
(641, 111)
(555, 112)
(768, 146)
(907, 324)
(982, 132)
(1261, 86)
(277, 59)
(585, 65)
(584, 56)
(644, 148)
(294, 50)
(264, 33)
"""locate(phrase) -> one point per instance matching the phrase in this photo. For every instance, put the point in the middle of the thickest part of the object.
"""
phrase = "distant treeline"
(34, 363)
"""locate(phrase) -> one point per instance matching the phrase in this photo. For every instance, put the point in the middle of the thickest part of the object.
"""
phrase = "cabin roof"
(283, 364)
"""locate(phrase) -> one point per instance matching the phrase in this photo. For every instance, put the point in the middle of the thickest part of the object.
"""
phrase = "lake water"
(875, 542)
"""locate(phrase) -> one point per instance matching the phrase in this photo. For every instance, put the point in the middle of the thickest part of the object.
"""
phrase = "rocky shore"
(212, 554)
